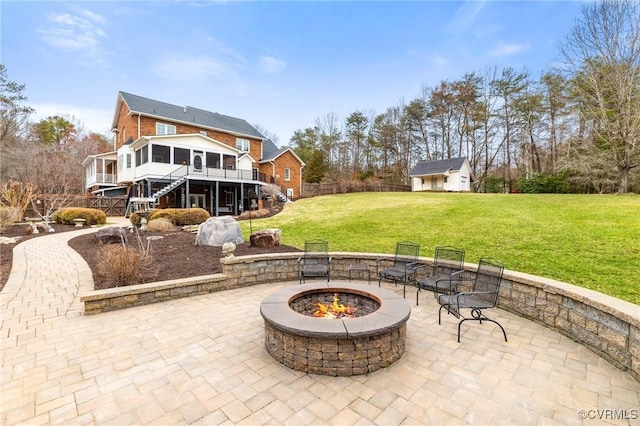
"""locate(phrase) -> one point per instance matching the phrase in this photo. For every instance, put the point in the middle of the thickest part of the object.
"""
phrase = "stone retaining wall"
(606, 325)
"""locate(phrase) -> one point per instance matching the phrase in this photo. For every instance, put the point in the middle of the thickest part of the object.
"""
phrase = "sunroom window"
(160, 154)
(181, 156)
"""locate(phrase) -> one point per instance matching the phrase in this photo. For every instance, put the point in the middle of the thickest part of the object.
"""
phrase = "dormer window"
(242, 144)
(165, 129)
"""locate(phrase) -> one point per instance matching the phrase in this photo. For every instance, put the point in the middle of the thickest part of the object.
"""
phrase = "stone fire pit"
(374, 339)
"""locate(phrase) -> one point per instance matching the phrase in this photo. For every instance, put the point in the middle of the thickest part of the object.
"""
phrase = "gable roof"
(185, 114)
(270, 152)
(437, 167)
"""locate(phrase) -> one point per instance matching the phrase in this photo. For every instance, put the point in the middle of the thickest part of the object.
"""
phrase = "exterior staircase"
(170, 187)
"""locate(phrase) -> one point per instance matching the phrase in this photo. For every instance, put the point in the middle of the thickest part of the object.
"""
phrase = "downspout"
(217, 201)
(300, 180)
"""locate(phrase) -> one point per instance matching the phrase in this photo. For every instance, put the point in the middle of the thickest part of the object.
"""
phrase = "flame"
(334, 310)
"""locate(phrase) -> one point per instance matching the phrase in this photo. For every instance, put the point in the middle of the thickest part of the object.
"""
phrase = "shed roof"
(437, 167)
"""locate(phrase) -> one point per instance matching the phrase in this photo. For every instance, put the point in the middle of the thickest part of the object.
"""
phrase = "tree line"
(575, 128)
(45, 156)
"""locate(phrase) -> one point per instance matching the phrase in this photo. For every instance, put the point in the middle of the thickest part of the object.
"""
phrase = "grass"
(592, 241)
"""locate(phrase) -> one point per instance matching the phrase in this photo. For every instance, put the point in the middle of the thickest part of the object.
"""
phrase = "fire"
(334, 310)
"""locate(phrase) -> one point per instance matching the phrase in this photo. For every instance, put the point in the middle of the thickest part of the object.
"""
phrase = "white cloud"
(465, 16)
(91, 119)
(507, 49)
(81, 33)
(271, 65)
(441, 61)
(195, 69)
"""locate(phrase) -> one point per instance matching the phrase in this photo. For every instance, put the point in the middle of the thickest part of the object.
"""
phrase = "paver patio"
(201, 360)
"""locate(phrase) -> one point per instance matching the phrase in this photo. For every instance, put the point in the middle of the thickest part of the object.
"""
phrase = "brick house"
(179, 156)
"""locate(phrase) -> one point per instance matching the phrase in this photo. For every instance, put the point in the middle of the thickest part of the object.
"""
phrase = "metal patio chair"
(483, 296)
(315, 262)
(404, 261)
(444, 276)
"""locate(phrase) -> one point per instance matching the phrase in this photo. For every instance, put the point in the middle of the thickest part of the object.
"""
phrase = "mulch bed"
(173, 256)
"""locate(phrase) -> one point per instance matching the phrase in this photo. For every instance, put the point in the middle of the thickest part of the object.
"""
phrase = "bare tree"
(13, 116)
(602, 54)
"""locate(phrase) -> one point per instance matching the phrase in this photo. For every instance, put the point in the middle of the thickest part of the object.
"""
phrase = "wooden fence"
(315, 189)
(115, 206)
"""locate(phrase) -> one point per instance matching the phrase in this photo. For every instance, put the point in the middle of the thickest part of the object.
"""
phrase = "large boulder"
(111, 235)
(266, 238)
(216, 231)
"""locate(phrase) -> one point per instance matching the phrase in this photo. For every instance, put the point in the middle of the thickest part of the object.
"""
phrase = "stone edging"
(608, 326)
(393, 311)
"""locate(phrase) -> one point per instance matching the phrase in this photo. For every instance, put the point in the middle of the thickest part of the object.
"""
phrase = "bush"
(550, 184)
(118, 263)
(135, 218)
(91, 216)
(181, 217)
(8, 215)
(161, 224)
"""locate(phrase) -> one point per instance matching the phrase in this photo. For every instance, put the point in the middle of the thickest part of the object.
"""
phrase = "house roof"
(437, 167)
(270, 151)
(185, 114)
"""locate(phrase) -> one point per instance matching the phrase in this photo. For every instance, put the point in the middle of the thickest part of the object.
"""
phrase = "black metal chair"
(404, 260)
(483, 295)
(444, 276)
(315, 262)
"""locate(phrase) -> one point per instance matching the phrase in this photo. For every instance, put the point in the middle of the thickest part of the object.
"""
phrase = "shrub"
(18, 195)
(549, 184)
(161, 224)
(92, 216)
(118, 263)
(181, 217)
(8, 215)
(135, 218)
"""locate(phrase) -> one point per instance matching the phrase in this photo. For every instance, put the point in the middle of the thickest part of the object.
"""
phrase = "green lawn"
(589, 240)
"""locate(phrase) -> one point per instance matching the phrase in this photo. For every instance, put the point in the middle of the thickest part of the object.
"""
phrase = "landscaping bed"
(173, 256)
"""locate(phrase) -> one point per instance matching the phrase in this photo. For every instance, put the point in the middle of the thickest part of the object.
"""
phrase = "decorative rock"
(111, 235)
(216, 231)
(228, 249)
(266, 238)
(9, 240)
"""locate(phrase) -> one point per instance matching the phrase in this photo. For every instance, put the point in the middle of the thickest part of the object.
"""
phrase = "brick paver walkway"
(201, 360)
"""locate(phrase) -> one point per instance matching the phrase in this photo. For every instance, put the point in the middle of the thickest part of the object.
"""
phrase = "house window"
(181, 156)
(242, 144)
(229, 162)
(213, 160)
(446, 179)
(128, 161)
(160, 154)
(165, 129)
(120, 162)
(287, 174)
(254, 174)
(142, 155)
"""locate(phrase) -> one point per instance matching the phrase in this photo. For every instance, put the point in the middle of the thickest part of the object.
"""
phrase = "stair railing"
(175, 175)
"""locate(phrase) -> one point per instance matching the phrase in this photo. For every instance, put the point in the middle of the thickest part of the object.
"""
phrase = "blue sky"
(279, 65)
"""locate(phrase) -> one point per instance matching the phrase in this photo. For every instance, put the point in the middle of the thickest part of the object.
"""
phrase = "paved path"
(201, 360)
